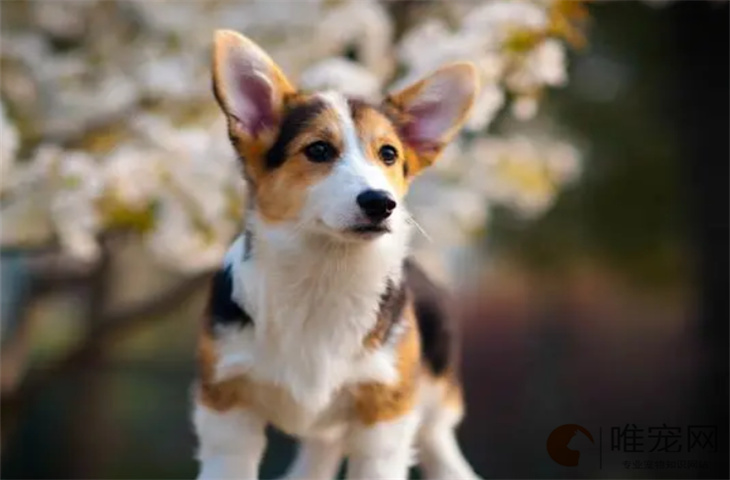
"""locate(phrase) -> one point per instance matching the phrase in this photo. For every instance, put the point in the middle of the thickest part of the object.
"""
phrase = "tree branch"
(108, 330)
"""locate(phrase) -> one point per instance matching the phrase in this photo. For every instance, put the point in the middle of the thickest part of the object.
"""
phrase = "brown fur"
(219, 396)
(453, 395)
(392, 305)
(378, 402)
(449, 388)
(279, 194)
(375, 130)
(414, 160)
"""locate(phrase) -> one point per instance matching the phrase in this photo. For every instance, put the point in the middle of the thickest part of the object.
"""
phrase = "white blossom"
(62, 19)
(132, 175)
(498, 19)
(364, 25)
(171, 75)
(545, 65)
(484, 37)
(181, 243)
(343, 75)
(8, 146)
(524, 107)
(486, 106)
(179, 178)
(78, 185)
(522, 173)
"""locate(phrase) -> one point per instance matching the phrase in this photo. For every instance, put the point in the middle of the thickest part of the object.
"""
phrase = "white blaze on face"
(334, 199)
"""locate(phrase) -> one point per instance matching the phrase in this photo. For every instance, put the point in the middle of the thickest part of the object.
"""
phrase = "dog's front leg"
(383, 450)
(317, 459)
(231, 443)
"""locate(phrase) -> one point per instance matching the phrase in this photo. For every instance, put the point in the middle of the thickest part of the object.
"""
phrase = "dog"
(318, 322)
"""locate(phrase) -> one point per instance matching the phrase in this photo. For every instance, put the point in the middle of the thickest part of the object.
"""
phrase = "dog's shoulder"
(223, 308)
(436, 321)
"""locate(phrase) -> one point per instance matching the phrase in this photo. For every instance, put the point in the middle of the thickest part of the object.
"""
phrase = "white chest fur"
(312, 306)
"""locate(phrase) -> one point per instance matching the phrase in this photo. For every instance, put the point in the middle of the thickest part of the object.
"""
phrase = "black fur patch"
(222, 310)
(295, 121)
(392, 303)
(439, 342)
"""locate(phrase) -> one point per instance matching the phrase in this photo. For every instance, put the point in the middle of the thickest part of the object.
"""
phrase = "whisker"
(420, 228)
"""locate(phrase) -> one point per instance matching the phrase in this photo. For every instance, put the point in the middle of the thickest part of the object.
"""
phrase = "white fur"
(316, 459)
(439, 454)
(384, 450)
(311, 345)
(233, 443)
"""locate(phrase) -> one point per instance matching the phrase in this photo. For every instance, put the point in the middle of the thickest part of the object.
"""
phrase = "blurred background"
(580, 220)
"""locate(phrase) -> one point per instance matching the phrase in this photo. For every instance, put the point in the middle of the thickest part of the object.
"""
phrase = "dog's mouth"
(370, 228)
(359, 231)
(368, 231)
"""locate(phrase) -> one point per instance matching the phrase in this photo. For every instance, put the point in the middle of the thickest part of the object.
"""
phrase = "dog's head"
(326, 163)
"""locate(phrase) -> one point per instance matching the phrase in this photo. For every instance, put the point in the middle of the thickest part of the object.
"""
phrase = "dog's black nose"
(376, 204)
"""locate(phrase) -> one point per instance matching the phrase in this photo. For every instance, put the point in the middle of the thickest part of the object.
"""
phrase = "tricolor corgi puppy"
(318, 322)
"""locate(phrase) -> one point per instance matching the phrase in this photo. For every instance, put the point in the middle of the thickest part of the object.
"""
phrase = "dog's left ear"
(430, 112)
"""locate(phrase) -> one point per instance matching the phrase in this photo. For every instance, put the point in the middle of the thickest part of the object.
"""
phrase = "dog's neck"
(310, 272)
(312, 302)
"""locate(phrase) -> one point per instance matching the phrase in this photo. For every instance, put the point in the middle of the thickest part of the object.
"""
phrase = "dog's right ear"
(249, 87)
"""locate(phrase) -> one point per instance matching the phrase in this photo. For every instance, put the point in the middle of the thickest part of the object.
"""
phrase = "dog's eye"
(320, 152)
(388, 154)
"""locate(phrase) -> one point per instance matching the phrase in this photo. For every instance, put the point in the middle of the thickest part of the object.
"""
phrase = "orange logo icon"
(557, 444)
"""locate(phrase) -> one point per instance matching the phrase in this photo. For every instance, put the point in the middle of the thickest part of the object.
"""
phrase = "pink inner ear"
(249, 95)
(254, 103)
(429, 121)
